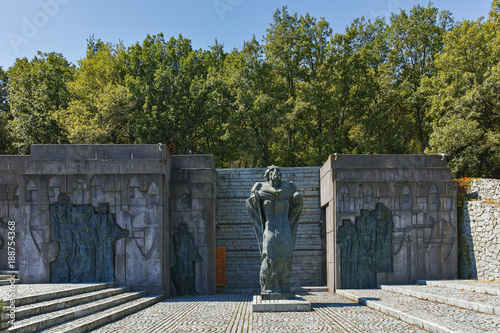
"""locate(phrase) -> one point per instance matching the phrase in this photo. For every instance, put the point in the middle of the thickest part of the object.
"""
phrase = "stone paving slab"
(233, 313)
(432, 316)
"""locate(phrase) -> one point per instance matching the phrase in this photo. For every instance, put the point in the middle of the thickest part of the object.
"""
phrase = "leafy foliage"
(419, 82)
(37, 89)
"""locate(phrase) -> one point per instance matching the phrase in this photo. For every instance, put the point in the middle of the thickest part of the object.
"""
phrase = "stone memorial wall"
(389, 219)
(137, 216)
(104, 213)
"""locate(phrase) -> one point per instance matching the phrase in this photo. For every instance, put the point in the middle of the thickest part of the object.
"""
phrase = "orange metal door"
(221, 266)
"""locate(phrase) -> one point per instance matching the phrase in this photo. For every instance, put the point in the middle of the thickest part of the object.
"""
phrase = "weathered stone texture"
(479, 228)
(420, 194)
(148, 192)
(235, 231)
(485, 189)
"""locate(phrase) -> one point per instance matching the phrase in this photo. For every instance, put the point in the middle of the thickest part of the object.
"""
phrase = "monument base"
(298, 304)
(270, 296)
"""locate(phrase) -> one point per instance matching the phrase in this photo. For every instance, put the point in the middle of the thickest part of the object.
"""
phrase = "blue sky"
(28, 26)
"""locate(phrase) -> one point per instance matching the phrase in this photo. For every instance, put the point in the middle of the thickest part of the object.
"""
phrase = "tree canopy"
(416, 82)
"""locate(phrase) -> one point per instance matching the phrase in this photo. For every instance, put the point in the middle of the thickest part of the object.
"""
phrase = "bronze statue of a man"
(274, 207)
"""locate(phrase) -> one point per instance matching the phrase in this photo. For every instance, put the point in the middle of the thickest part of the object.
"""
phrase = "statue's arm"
(296, 205)
(255, 213)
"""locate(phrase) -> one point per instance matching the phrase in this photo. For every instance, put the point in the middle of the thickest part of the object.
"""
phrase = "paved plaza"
(440, 306)
(233, 313)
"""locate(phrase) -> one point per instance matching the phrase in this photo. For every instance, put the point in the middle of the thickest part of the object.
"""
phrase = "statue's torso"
(275, 204)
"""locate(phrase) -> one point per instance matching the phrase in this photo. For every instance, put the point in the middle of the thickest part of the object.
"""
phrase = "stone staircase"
(437, 306)
(6, 278)
(77, 309)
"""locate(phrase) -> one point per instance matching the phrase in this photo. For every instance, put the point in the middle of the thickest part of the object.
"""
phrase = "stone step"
(47, 296)
(5, 277)
(431, 316)
(96, 320)
(313, 289)
(66, 302)
(485, 287)
(471, 300)
(50, 319)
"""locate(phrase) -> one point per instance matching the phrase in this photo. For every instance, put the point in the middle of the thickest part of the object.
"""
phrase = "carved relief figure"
(108, 232)
(86, 242)
(347, 240)
(186, 254)
(61, 221)
(275, 208)
(366, 247)
(3, 226)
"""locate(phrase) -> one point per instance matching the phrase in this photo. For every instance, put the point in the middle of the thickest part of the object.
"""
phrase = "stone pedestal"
(270, 296)
(298, 304)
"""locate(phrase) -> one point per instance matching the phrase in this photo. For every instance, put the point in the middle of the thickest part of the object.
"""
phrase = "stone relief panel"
(187, 208)
(54, 189)
(86, 239)
(366, 247)
(142, 211)
(76, 251)
(423, 230)
(345, 200)
(186, 253)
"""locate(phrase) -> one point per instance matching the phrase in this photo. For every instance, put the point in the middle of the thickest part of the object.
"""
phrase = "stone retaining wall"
(485, 189)
(235, 231)
(479, 228)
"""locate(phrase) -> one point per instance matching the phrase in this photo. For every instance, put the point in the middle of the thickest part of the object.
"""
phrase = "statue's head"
(183, 228)
(104, 208)
(273, 173)
(347, 224)
(88, 210)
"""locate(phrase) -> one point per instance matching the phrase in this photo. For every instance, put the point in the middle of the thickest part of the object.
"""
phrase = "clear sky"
(28, 26)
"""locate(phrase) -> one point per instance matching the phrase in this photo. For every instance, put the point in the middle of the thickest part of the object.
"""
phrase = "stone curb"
(412, 320)
(488, 309)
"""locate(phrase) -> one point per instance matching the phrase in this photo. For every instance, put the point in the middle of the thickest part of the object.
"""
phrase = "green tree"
(415, 39)
(466, 97)
(160, 77)
(296, 52)
(4, 113)
(37, 89)
(253, 122)
(100, 106)
(362, 89)
(214, 103)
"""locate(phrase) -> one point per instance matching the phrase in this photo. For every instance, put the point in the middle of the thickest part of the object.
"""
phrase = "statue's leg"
(264, 273)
